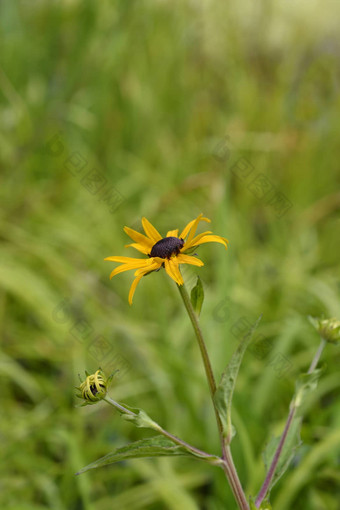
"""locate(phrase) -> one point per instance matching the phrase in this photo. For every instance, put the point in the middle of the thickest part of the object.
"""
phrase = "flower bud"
(328, 329)
(94, 388)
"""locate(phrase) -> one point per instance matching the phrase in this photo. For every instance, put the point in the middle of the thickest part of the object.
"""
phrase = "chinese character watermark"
(99, 347)
(92, 179)
(261, 348)
(257, 183)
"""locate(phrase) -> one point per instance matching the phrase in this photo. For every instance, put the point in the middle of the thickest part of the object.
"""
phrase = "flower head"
(168, 252)
(328, 329)
(94, 388)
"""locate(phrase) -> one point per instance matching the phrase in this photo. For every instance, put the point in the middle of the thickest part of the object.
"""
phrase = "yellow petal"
(158, 259)
(194, 228)
(126, 267)
(138, 237)
(189, 226)
(150, 231)
(121, 269)
(171, 267)
(147, 269)
(140, 247)
(125, 260)
(172, 233)
(133, 287)
(188, 245)
(187, 259)
(152, 265)
(211, 239)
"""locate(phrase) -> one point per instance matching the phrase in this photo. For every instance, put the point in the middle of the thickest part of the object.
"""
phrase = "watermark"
(222, 312)
(315, 86)
(257, 183)
(92, 179)
(261, 348)
(99, 347)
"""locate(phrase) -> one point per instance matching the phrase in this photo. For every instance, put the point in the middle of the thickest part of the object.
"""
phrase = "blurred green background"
(114, 110)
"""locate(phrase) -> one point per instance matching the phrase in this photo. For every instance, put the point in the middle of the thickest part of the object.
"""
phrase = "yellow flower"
(167, 252)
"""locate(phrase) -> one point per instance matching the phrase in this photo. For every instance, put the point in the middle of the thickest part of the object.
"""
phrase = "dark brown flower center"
(167, 247)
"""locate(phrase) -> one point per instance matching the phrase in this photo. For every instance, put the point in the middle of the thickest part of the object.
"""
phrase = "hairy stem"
(228, 465)
(272, 468)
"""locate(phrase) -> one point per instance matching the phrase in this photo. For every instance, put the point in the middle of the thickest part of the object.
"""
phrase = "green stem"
(272, 468)
(206, 456)
(194, 321)
(228, 465)
(317, 355)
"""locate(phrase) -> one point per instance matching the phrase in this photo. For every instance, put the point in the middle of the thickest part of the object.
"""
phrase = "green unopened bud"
(94, 388)
(328, 329)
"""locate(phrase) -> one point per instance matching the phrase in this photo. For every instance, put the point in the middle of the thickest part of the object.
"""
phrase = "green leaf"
(139, 418)
(157, 446)
(305, 384)
(197, 296)
(224, 392)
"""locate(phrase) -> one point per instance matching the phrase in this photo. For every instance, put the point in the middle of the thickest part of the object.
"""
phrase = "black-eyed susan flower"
(168, 252)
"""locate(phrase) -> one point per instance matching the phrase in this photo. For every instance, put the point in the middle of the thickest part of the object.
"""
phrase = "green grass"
(146, 92)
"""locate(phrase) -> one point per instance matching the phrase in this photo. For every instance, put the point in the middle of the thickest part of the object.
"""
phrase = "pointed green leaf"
(305, 384)
(157, 446)
(197, 296)
(224, 392)
(139, 418)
